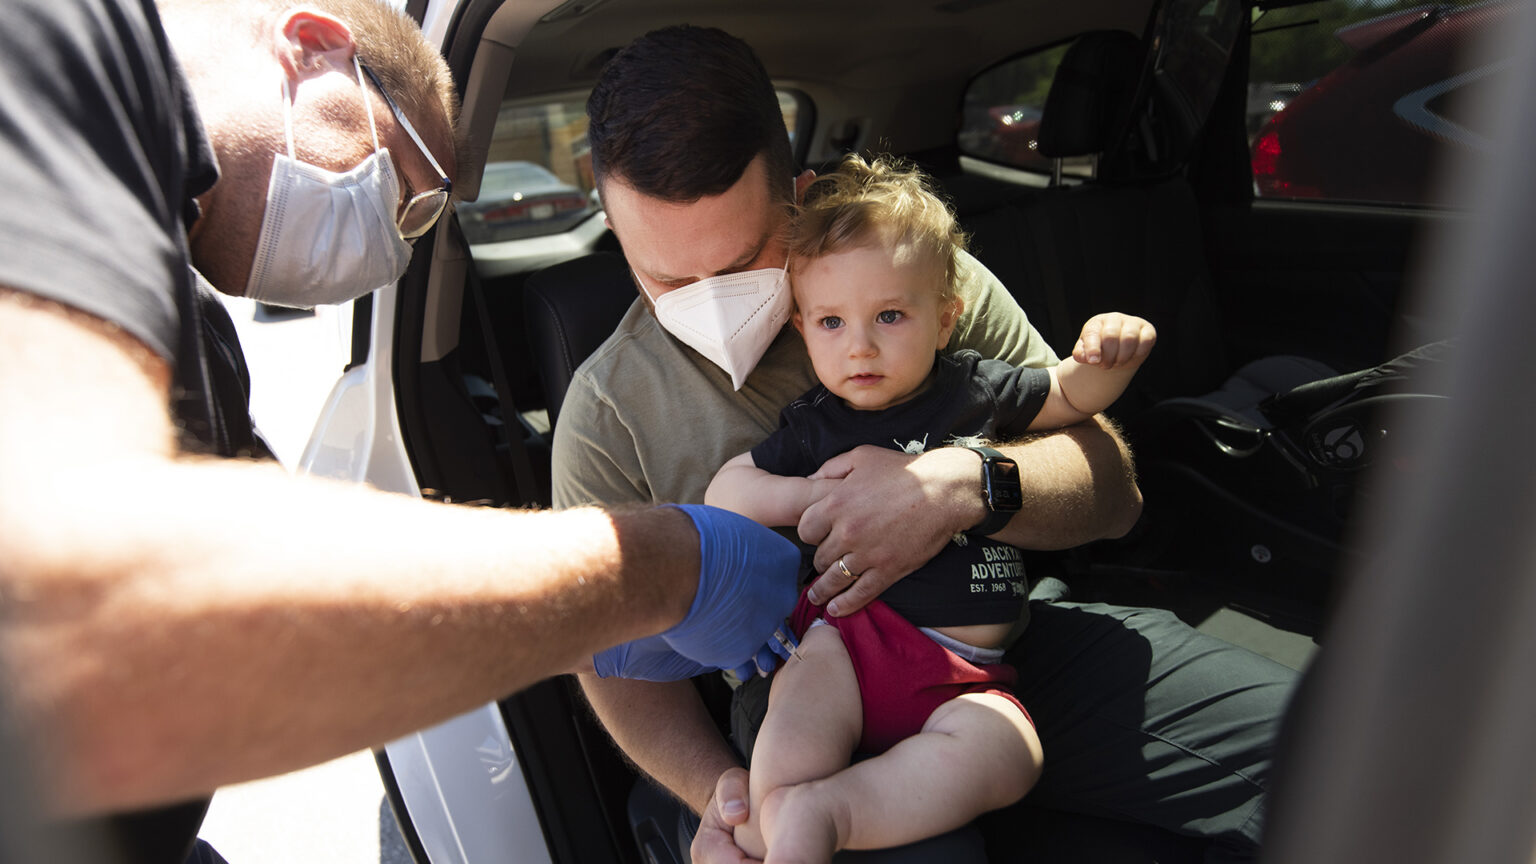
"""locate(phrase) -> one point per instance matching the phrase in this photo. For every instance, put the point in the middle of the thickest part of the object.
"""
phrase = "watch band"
(999, 490)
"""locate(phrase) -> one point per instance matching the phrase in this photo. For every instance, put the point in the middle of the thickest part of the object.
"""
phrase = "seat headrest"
(1091, 95)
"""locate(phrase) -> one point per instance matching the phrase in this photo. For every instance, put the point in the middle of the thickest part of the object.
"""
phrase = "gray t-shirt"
(649, 420)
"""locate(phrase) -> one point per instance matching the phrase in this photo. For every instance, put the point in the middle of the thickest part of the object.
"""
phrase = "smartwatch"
(999, 489)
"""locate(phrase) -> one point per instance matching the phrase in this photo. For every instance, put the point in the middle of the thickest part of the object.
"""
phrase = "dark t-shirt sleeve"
(784, 452)
(1018, 393)
(95, 146)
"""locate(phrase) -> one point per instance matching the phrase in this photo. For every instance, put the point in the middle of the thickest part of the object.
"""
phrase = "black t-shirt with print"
(978, 581)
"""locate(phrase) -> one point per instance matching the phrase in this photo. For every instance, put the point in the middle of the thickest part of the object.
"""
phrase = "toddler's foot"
(807, 825)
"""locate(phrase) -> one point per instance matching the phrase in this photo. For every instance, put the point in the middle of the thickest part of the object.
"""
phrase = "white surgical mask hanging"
(730, 319)
(328, 237)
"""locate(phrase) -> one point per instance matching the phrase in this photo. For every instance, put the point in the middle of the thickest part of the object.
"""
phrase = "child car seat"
(1254, 484)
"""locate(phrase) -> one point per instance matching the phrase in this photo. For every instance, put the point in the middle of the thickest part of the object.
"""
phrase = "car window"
(796, 108)
(1367, 102)
(538, 172)
(1001, 116)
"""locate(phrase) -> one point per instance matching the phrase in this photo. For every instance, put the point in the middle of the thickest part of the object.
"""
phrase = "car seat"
(1128, 240)
(570, 308)
(1227, 494)
(1252, 487)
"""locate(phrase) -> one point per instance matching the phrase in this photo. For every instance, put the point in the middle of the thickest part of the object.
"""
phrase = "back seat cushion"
(1069, 253)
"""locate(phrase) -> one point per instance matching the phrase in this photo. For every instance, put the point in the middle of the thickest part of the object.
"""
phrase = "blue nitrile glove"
(747, 576)
(765, 660)
(648, 659)
(747, 588)
(652, 659)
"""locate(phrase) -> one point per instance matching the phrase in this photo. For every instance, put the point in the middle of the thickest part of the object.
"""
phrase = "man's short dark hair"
(680, 112)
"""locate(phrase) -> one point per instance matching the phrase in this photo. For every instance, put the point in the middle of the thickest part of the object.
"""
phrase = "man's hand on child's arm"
(892, 512)
(889, 514)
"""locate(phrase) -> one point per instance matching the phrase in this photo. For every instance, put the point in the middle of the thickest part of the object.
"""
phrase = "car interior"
(1128, 185)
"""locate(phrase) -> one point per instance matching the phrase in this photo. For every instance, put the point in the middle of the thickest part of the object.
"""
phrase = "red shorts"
(903, 675)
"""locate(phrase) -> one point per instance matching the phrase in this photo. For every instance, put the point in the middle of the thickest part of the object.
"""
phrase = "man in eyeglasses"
(169, 621)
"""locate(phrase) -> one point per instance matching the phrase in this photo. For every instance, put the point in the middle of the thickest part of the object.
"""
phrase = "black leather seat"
(570, 309)
(1124, 241)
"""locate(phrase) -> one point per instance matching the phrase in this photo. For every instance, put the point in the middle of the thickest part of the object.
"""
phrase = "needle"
(788, 641)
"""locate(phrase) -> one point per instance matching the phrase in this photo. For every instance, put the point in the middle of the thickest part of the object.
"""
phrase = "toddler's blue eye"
(889, 316)
(831, 322)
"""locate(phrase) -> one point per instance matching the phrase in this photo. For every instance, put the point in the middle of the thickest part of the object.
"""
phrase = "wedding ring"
(846, 572)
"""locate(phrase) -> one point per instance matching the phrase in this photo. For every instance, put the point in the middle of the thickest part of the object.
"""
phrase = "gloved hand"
(652, 659)
(648, 659)
(747, 577)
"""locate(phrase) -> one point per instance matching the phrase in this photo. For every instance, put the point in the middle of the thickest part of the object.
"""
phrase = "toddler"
(915, 677)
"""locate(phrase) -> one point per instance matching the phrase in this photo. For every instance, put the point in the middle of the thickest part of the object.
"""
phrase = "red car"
(1376, 128)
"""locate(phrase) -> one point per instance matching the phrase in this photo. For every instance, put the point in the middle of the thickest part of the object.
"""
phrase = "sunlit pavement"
(335, 812)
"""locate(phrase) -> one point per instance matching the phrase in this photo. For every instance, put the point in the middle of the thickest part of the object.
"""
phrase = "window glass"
(1368, 101)
(790, 104)
(1194, 43)
(538, 172)
(1001, 121)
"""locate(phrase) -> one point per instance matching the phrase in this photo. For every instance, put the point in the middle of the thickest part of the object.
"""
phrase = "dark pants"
(1143, 720)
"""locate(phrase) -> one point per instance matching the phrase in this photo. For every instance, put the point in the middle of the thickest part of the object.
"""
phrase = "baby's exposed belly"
(980, 635)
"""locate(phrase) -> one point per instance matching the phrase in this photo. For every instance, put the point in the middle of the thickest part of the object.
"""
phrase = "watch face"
(1003, 491)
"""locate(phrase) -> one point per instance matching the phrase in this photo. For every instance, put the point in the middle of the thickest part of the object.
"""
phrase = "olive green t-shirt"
(649, 420)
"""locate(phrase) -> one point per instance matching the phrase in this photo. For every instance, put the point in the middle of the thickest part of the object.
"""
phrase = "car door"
(1355, 118)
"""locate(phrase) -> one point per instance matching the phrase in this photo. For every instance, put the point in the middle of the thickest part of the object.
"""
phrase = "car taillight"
(1266, 157)
(513, 211)
(1268, 180)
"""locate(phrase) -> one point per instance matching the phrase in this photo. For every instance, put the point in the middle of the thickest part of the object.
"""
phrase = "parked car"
(1008, 134)
(520, 199)
(1228, 279)
(1380, 126)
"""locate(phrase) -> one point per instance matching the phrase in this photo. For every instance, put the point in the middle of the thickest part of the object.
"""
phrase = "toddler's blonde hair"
(886, 200)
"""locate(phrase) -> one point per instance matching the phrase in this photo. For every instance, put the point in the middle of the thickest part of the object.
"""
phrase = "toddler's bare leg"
(976, 753)
(814, 721)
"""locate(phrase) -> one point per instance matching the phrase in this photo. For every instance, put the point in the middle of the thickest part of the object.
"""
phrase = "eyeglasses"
(424, 208)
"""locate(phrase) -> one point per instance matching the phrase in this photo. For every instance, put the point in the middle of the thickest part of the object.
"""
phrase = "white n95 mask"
(730, 319)
(328, 237)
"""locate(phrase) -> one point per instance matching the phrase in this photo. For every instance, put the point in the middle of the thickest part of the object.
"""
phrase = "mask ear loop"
(794, 203)
(373, 127)
(288, 117)
(636, 276)
(357, 66)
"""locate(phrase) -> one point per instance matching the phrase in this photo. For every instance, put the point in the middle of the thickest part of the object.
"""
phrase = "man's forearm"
(665, 729)
(1079, 485)
(171, 624)
(283, 635)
